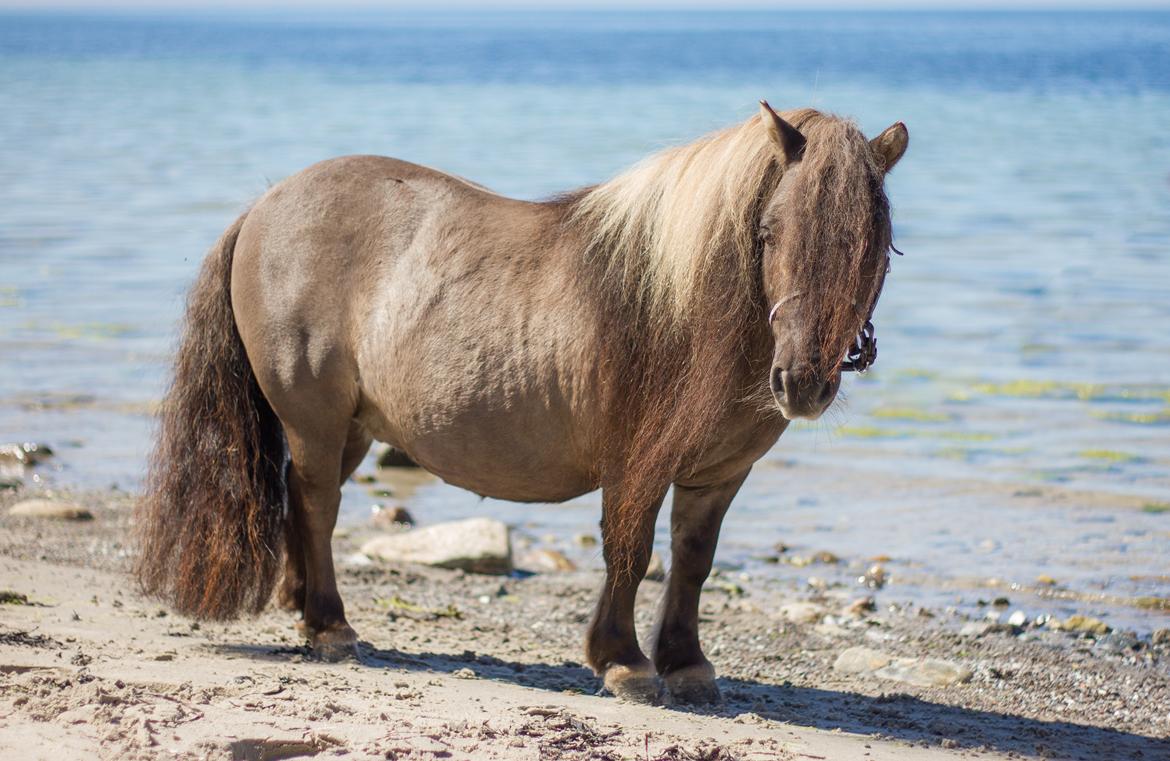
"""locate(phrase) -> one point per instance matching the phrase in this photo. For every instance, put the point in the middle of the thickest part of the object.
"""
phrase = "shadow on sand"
(893, 716)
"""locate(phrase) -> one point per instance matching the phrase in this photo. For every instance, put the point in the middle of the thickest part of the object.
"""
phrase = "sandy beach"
(458, 665)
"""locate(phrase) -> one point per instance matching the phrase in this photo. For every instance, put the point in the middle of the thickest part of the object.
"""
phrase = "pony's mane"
(672, 221)
(672, 248)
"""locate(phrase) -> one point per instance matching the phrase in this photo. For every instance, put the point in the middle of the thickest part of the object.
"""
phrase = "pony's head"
(825, 232)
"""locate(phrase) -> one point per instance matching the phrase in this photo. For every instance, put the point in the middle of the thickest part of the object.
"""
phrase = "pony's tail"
(210, 523)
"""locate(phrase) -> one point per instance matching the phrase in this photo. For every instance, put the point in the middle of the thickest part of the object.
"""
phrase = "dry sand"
(462, 666)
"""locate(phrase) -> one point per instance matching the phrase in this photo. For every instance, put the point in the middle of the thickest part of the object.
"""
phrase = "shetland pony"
(656, 330)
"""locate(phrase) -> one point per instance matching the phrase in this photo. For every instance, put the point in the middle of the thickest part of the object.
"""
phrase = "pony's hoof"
(332, 645)
(694, 685)
(635, 684)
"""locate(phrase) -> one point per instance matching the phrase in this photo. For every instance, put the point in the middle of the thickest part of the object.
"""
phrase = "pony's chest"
(742, 440)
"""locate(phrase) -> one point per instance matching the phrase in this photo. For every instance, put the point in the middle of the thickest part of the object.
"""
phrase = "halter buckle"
(863, 353)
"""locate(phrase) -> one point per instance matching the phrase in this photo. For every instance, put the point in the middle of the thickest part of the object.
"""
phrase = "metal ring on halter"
(781, 302)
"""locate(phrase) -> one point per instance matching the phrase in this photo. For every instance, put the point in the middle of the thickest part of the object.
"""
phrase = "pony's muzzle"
(803, 393)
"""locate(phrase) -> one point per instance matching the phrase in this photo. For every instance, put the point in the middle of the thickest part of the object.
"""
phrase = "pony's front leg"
(695, 518)
(611, 647)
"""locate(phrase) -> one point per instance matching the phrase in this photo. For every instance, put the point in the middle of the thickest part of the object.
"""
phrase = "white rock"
(924, 672)
(860, 660)
(46, 508)
(546, 560)
(656, 571)
(478, 545)
(1018, 618)
(929, 672)
(802, 612)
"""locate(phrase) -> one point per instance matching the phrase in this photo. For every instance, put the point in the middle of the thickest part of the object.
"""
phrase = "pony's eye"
(766, 235)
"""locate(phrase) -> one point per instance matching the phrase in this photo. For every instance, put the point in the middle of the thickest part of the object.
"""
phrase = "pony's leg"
(314, 481)
(611, 646)
(695, 518)
(291, 595)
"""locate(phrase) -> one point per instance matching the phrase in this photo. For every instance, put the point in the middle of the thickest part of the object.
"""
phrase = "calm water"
(1017, 423)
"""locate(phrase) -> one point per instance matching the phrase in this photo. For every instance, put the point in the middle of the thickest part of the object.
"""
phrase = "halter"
(863, 352)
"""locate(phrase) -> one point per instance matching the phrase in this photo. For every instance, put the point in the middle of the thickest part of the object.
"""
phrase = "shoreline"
(478, 666)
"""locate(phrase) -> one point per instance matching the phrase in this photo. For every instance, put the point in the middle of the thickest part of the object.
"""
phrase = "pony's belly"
(514, 455)
(487, 479)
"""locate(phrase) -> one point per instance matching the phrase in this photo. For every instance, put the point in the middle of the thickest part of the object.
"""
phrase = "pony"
(657, 330)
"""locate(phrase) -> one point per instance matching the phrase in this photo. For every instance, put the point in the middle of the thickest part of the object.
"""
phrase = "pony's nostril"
(777, 381)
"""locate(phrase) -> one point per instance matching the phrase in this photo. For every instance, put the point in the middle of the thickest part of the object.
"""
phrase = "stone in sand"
(926, 672)
(1084, 624)
(47, 508)
(802, 612)
(860, 660)
(929, 672)
(478, 545)
(28, 453)
(394, 518)
(547, 560)
(656, 571)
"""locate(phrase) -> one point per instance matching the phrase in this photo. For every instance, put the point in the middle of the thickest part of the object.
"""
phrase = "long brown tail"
(211, 520)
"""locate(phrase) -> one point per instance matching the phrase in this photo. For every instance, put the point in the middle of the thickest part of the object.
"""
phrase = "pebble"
(1017, 619)
(547, 560)
(875, 577)
(28, 453)
(395, 517)
(802, 612)
(463, 673)
(861, 606)
(1117, 643)
(1161, 637)
(1082, 624)
(975, 628)
(656, 571)
(585, 540)
(47, 508)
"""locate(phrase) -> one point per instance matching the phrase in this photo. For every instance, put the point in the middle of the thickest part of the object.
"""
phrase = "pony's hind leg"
(695, 518)
(291, 595)
(318, 465)
(611, 646)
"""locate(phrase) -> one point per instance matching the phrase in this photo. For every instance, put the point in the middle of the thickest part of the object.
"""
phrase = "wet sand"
(458, 665)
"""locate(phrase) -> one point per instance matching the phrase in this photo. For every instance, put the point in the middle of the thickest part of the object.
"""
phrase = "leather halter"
(862, 353)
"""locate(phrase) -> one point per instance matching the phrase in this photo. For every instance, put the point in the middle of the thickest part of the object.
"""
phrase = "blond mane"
(664, 225)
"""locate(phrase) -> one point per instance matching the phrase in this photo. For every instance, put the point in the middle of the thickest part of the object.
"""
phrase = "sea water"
(1016, 426)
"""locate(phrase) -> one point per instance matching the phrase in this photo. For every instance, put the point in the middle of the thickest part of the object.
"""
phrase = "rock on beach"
(477, 545)
(47, 508)
(921, 672)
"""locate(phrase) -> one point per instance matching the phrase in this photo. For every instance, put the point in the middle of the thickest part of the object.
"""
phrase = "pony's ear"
(787, 138)
(889, 146)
